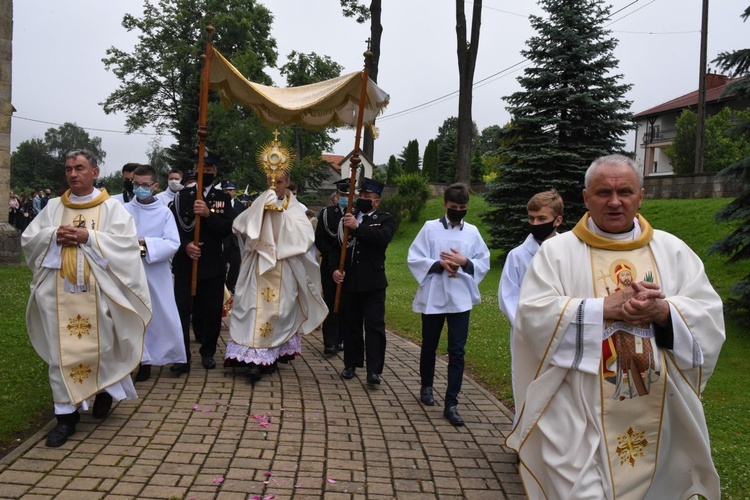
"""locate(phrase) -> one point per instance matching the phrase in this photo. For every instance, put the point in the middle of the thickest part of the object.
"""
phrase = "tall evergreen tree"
(737, 244)
(410, 157)
(571, 111)
(447, 145)
(394, 170)
(430, 161)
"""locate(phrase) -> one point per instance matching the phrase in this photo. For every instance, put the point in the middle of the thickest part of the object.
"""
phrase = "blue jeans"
(458, 332)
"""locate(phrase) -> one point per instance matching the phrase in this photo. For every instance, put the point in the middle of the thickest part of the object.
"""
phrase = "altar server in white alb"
(158, 240)
(545, 212)
(449, 259)
(617, 332)
(89, 303)
(277, 296)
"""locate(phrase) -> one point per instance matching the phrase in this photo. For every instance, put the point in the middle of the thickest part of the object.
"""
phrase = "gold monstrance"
(274, 159)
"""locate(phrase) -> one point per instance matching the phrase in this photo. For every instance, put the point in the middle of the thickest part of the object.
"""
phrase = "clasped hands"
(638, 304)
(452, 260)
(69, 236)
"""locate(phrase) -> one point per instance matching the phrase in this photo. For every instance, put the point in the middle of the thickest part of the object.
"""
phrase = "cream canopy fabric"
(330, 103)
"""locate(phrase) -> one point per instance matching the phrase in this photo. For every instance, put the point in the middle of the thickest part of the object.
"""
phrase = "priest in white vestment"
(159, 240)
(89, 303)
(609, 366)
(277, 296)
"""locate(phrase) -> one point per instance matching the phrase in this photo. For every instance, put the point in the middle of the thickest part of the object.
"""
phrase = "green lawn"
(26, 395)
(488, 355)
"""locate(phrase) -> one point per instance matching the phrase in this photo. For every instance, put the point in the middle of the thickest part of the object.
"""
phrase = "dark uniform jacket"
(237, 209)
(365, 258)
(213, 230)
(326, 236)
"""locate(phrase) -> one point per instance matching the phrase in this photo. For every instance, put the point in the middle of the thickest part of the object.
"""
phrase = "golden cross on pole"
(275, 135)
(603, 277)
(369, 42)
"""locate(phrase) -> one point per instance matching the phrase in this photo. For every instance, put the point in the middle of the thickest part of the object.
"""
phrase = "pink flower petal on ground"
(264, 425)
(298, 485)
(218, 480)
(331, 481)
(256, 497)
(195, 406)
(270, 496)
(268, 474)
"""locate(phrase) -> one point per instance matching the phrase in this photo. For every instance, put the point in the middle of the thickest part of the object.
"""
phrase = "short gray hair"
(612, 160)
(85, 153)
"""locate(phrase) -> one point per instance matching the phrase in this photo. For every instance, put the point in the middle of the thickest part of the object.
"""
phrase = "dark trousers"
(206, 311)
(234, 259)
(331, 329)
(364, 309)
(458, 332)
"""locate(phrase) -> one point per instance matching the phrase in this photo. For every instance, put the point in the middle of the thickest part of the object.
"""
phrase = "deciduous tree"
(467, 50)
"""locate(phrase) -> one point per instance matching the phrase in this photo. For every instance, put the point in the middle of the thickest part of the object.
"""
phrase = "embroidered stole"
(268, 304)
(77, 311)
(633, 381)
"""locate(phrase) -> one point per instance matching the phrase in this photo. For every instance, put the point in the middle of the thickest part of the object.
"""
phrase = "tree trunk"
(376, 32)
(467, 57)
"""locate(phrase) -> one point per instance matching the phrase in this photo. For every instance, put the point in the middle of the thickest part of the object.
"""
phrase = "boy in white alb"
(545, 211)
(449, 259)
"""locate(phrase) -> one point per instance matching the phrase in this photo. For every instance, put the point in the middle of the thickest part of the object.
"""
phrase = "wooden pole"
(700, 126)
(202, 134)
(354, 164)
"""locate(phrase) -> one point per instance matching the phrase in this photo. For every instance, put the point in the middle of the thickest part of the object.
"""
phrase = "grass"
(25, 393)
(26, 397)
(487, 350)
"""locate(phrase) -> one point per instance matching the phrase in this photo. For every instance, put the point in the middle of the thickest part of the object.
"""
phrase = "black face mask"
(364, 205)
(208, 179)
(455, 216)
(540, 232)
(128, 185)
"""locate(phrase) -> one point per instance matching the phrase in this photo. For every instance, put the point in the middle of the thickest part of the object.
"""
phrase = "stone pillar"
(10, 238)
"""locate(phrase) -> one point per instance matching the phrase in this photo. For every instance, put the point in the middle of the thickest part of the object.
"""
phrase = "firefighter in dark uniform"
(364, 283)
(327, 243)
(216, 223)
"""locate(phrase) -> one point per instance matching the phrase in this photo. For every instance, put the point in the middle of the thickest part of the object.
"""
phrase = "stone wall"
(691, 186)
(10, 238)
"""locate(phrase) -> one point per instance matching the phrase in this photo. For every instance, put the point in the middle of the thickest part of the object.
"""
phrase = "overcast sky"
(58, 75)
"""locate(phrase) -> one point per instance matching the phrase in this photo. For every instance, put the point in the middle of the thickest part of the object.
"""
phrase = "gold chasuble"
(77, 311)
(632, 377)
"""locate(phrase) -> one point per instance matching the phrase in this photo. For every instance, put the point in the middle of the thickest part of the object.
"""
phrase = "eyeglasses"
(139, 185)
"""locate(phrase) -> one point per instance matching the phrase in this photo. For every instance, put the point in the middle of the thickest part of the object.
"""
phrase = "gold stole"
(77, 312)
(268, 304)
(633, 377)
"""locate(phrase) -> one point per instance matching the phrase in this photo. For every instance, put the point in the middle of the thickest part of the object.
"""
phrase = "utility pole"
(701, 125)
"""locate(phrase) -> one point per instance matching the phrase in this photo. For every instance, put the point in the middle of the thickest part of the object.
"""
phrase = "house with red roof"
(656, 127)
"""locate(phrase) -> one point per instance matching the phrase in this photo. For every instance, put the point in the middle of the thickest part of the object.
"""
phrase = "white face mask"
(174, 185)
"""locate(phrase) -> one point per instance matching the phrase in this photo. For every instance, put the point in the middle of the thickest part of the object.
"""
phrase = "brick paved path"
(300, 433)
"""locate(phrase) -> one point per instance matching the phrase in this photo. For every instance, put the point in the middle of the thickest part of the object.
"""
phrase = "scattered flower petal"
(218, 480)
(270, 496)
(264, 425)
(298, 485)
(195, 406)
(331, 481)
(268, 474)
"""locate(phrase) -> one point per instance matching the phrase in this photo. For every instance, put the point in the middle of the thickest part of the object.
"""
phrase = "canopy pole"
(354, 164)
(202, 135)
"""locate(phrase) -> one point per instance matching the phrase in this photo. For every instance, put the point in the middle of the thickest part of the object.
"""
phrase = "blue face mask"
(142, 193)
(343, 203)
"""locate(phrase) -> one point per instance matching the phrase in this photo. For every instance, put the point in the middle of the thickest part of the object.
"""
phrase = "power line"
(124, 132)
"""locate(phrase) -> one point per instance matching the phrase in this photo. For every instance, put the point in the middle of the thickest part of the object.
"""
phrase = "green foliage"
(38, 163)
(394, 170)
(722, 147)
(447, 150)
(410, 157)
(571, 110)
(430, 161)
(737, 213)
(477, 167)
(412, 193)
(160, 78)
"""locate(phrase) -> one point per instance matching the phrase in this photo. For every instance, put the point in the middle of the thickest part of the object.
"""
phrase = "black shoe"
(66, 427)
(179, 368)
(208, 362)
(373, 378)
(453, 417)
(425, 395)
(269, 369)
(348, 373)
(144, 373)
(341, 347)
(102, 405)
(331, 349)
(253, 373)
